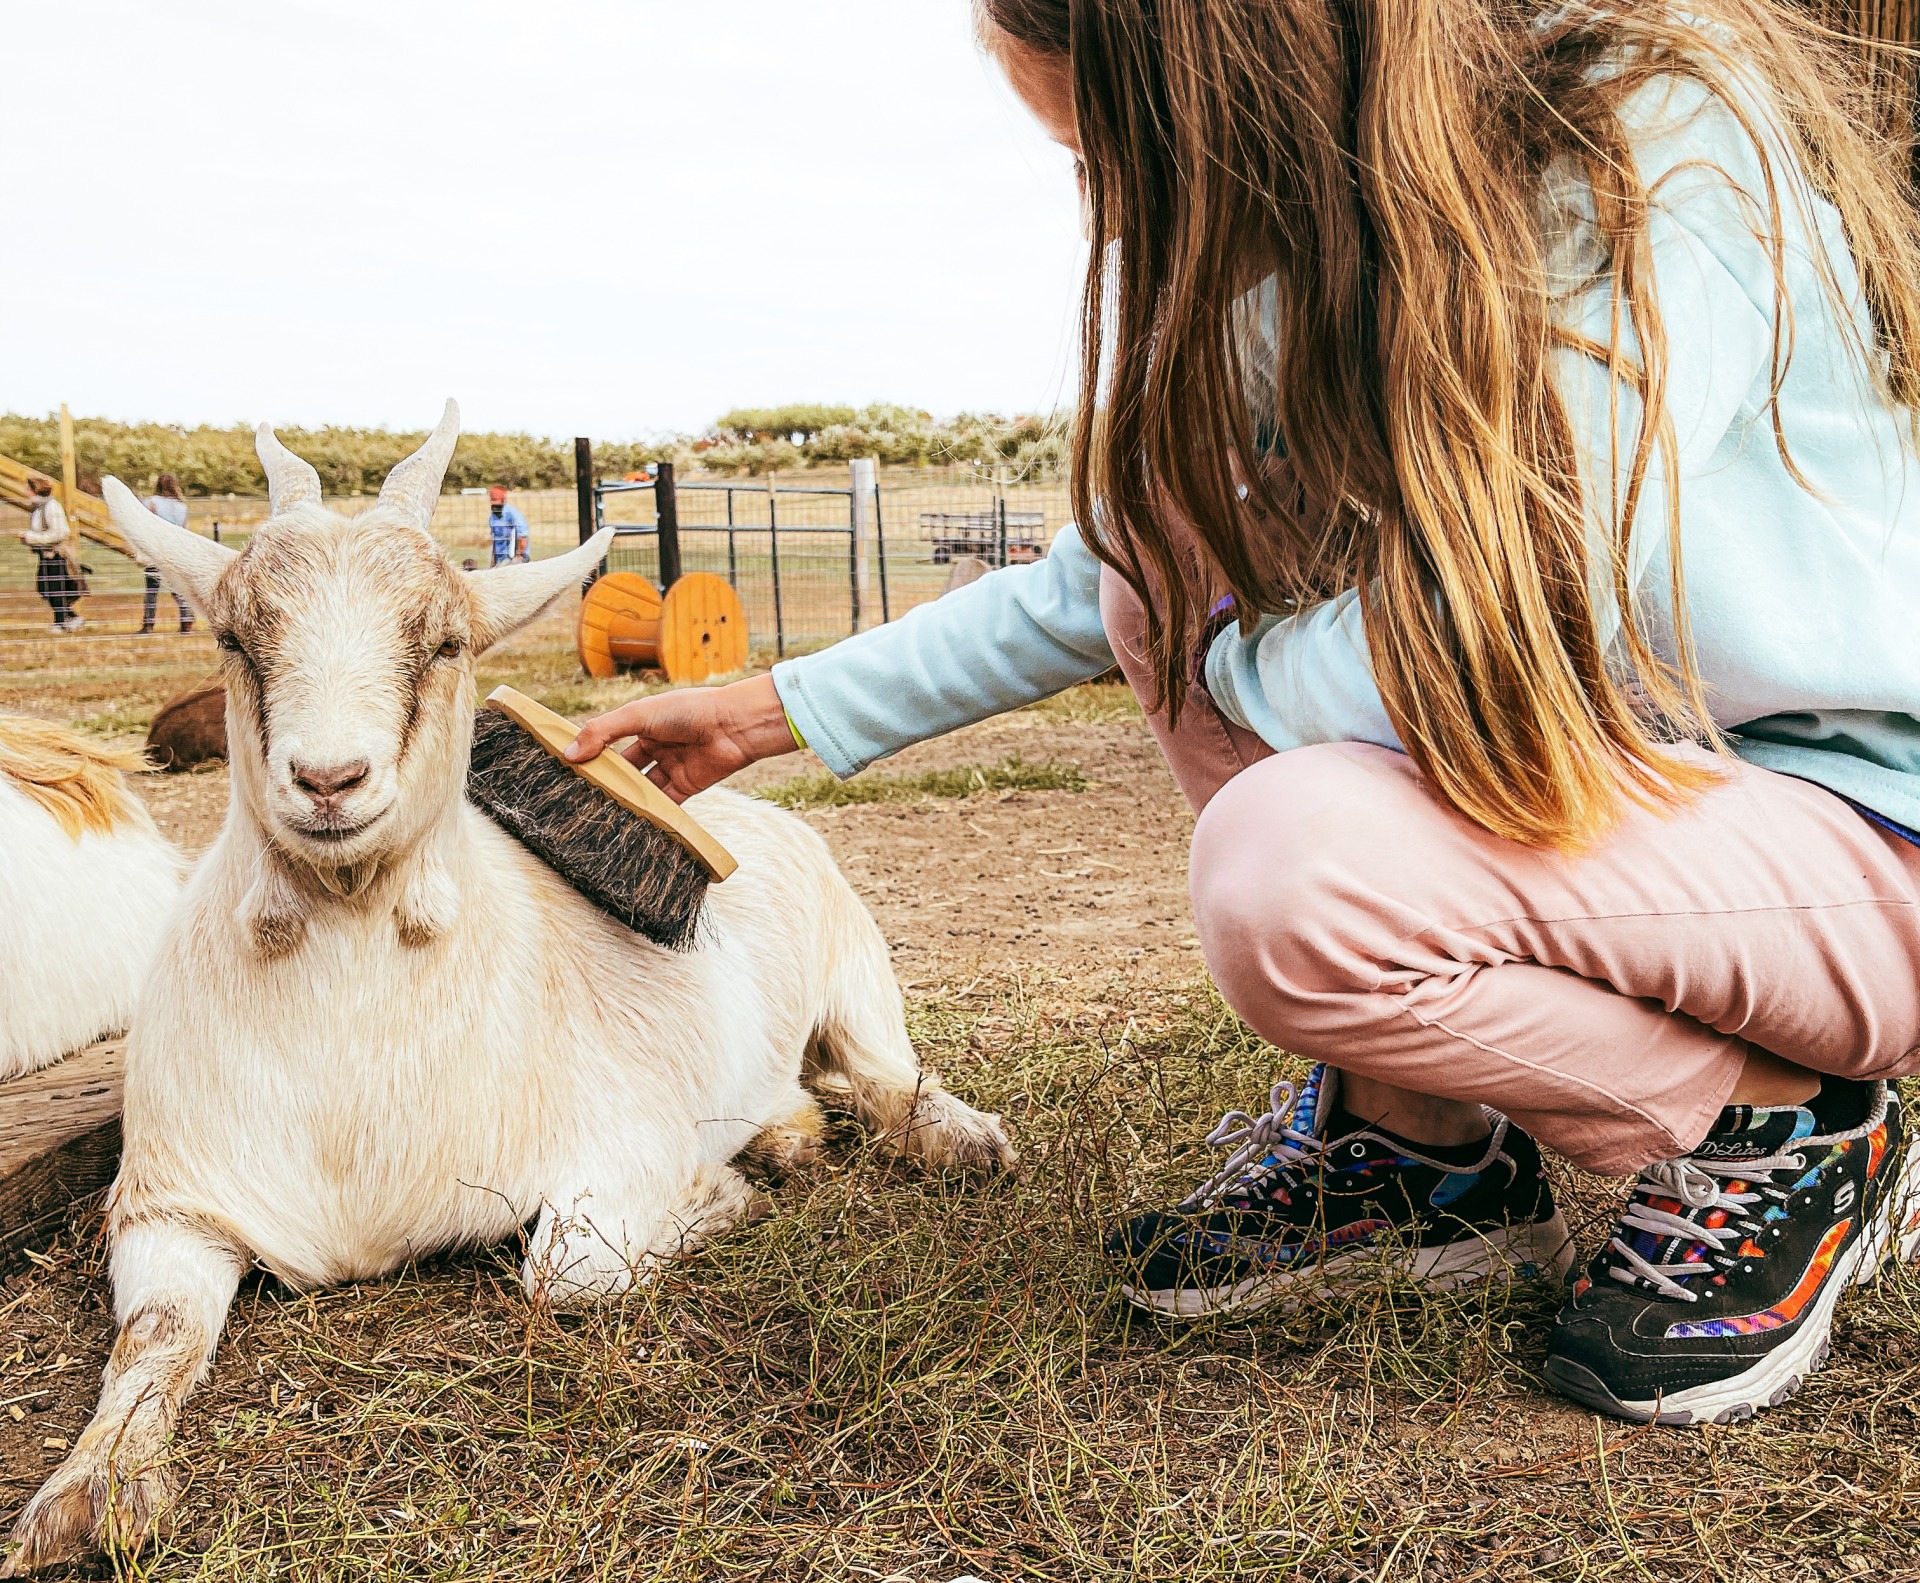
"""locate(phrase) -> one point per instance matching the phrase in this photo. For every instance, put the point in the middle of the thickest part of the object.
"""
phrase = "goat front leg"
(173, 1283)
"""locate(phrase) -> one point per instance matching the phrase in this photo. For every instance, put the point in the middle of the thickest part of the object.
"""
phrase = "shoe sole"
(1780, 1374)
(1541, 1247)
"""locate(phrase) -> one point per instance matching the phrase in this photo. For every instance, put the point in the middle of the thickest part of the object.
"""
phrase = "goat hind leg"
(863, 1040)
(173, 1284)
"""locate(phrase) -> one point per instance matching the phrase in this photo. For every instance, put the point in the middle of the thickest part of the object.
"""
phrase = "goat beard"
(343, 881)
(349, 881)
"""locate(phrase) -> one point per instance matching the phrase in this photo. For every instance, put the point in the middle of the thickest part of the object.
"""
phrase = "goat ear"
(190, 563)
(508, 597)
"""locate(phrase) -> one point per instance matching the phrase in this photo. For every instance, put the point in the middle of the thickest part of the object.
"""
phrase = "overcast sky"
(605, 217)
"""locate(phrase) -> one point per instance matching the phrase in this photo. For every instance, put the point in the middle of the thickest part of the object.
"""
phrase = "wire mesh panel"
(811, 565)
(932, 516)
(788, 550)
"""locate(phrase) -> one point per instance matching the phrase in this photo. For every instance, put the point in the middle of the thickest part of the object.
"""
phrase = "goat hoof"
(787, 1146)
(84, 1508)
(944, 1131)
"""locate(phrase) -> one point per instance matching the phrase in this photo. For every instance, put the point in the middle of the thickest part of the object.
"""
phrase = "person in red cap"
(512, 540)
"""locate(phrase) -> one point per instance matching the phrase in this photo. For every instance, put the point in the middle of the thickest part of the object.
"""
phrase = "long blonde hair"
(75, 779)
(1385, 164)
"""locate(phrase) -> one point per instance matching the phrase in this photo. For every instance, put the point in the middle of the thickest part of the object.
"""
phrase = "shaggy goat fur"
(87, 886)
(380, 1027)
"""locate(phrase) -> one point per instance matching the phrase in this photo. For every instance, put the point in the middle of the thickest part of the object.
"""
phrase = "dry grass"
(1011, 774)
(913, 1378)
(1094, 704)
(909, 1377)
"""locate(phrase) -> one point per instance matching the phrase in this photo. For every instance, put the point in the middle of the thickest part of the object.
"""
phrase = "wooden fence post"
(666, 503)
(583, 488)
(585, 505)
(861, 515)
(69, 474)
(773, 557)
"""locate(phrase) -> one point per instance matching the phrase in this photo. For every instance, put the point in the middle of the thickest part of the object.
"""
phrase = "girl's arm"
(1298, 680)
(1016, 636)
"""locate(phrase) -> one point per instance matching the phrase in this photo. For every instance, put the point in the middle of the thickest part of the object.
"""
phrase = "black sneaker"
(1312, 1196)
(1715, 1297)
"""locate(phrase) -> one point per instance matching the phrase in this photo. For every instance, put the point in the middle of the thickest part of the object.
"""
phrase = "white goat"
(86, 888)
(379, 1027)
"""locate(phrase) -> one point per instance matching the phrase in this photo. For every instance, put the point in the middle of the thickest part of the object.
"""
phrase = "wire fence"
(814, 556)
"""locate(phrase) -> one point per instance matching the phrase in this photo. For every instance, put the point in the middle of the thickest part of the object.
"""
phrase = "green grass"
(965, 780)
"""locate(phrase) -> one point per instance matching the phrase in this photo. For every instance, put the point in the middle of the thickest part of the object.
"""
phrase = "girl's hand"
(694, 737)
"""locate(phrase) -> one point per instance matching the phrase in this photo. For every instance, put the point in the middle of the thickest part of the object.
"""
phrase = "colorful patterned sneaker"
(1715, 1297)
(1312, 1197)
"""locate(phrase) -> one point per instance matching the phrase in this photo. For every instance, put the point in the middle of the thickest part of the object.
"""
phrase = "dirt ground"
(901, 1379)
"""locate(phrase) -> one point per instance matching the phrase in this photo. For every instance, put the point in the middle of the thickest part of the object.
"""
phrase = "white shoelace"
(1253, 1139)
(1267, 1145)
(1699, 1186)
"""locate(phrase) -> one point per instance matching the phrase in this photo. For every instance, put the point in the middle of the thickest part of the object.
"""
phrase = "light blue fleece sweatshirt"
(1803, 598)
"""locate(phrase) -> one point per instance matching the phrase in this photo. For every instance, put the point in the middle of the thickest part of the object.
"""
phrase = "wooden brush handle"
(612, 774)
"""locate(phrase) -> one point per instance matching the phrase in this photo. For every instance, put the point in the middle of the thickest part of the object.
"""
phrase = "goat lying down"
(87, 886)
(379, 1027)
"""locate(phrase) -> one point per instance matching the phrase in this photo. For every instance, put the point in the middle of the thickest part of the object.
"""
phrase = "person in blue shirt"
(512, 540)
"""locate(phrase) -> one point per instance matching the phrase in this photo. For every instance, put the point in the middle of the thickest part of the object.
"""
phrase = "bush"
(806, 419)
(756, 440)
(221, 461)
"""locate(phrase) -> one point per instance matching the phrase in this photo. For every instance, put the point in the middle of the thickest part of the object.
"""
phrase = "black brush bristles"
(618, 861)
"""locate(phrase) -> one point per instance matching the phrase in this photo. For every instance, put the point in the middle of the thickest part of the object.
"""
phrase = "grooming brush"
(602, 826)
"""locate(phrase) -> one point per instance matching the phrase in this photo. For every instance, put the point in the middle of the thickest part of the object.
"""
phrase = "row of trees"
(210, 460)
(220, 461)
(762, 439)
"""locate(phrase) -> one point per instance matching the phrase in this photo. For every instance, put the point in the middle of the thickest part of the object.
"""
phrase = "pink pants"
(1607, 1002)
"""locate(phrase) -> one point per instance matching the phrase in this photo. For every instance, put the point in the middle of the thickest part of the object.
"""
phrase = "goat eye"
(452, 649)
(229, 642)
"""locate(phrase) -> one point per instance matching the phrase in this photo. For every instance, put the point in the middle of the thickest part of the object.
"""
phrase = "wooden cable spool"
(699, 630)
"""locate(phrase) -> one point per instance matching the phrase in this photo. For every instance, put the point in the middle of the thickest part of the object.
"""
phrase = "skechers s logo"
(1843, 1200)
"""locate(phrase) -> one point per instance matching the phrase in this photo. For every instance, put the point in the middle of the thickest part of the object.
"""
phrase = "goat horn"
(290, 481)
(414, 486)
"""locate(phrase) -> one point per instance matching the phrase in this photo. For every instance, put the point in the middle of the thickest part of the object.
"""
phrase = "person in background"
(166, 503)
(512, 539)
(49, 537)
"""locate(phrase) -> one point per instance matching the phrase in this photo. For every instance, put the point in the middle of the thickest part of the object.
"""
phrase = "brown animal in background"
(190, 729)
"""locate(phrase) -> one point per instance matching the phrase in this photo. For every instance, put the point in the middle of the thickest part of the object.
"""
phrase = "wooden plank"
(69, 467)
(44, 1109)
(59, 1140)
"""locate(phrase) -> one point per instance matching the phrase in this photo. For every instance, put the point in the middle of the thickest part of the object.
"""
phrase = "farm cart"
(997, 536)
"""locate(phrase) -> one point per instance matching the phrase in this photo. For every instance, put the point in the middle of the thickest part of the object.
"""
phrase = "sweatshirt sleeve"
(1016, 636)
(1298, 680)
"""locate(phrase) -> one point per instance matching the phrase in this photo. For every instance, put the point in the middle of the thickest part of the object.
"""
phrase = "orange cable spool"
(699, 630)
(703, 629)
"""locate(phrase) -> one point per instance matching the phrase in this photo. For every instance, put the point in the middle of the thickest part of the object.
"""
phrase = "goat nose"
(329, 780)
